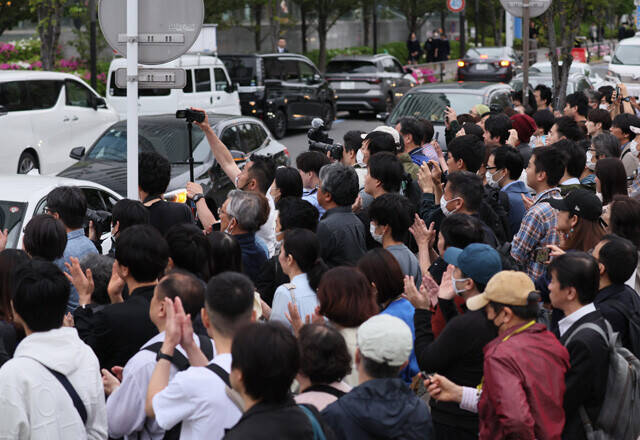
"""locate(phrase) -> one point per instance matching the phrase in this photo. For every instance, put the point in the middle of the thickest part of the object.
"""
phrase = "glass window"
(290, 70)
(351, 67)
(306, 71)
(117, 91)
(431, 105)
(399, 67)
(249, 137)
(230, 138)
(220, 79)
(627, 54)
(94, 201)
(189, 87)
(261, 135)
(241, 69)
(77, 95)
(29, 95)
(389, 66)
(13, 96)
(502, 99)
(11, 218)
(203, 80)
(583, 85)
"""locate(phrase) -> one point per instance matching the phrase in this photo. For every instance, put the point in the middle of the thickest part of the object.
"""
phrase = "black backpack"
(182, 363)
(633, 318)
(495, 213)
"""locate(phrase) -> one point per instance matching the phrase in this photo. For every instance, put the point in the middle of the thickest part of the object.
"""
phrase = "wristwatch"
(162, 355)
(197, 197)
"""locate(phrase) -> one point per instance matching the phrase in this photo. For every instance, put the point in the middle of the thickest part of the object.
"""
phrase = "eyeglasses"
(47, 210)
(491, 168)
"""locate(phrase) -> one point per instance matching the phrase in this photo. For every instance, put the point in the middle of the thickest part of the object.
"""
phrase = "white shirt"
(33, 403)
(571, 181)
(197, 398)
(125, 406)
(565, 323)
(267, 232)
(301, 294)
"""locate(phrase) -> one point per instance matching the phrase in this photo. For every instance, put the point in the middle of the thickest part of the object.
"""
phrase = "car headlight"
(177, 196)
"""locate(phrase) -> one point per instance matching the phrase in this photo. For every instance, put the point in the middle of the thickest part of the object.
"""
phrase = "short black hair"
(143, 251)
(45, 237)
(226, 254)
(545, 93)
(289, 182)
(187, 287)
(508, 157)
(381, 141)
(467, 186)
(297, 213)
(154, 173)
(600, 115)
(311, 161)
(324, 357)
(229, 301)
(129, 212)
(580, 100)
(498, 126)
(70, 203)
(411, 125)
(470, 149)
(461, 230)
(189, 249)
(352, 140)
(304, 246)
(606, 145)
(544, 119)
(268, 357)
(569, 128)
(386, 168)
(606, 92)
(575, 158)
(263, 170)
(551, 161)
(619, 257)
(40, 295)
(578, 270)
(341, 182)
(395, 211)
(624, 121)
(378, 370)
(474, 129)
(427, 130)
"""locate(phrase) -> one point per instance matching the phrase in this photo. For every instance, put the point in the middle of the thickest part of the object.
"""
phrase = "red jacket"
(523, 386)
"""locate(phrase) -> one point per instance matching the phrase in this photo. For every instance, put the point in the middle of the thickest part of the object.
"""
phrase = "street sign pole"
(525, 50)
(132, 99)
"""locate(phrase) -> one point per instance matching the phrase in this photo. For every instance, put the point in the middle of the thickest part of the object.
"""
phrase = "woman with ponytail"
(301, 262)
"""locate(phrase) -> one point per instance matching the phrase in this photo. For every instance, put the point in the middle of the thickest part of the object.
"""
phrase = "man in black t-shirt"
(154, 174)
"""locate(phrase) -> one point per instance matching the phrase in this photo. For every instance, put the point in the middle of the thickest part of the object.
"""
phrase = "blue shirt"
(401, 308)
(300, 293)
(311, 196)
(253, 256)
(78, 245)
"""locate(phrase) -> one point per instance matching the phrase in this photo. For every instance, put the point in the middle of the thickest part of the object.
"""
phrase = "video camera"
(101, 221)
(320, 141)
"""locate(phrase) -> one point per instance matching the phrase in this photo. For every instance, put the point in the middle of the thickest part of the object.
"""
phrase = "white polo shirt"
(197, 398)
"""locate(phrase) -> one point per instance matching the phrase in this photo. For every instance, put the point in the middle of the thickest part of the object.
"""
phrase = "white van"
(208, 87)
(43, 116)
(625, 64)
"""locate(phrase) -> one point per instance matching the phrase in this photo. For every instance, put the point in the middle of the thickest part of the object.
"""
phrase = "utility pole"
(477, 19)
(525, 50)
(375, 27)
(462, 35)
(92, 43)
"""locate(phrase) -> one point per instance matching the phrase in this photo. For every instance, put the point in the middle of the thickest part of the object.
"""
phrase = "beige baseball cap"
(507, 287)
(385, 339)
(386, 129)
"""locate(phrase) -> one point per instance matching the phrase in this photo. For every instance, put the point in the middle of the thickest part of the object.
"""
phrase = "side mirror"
(606, 58)
(230, 88)
(77, 153)
(98, 102)
(382, 116)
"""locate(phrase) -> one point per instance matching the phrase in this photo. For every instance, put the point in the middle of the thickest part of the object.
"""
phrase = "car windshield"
(351, 66)
(491, 52)
(431, 105)
(242, 70)
(170, 140)
(11, 218)
(546, 68)
(627, 55)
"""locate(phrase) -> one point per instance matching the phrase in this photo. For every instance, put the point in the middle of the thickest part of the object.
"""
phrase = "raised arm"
(220, 151)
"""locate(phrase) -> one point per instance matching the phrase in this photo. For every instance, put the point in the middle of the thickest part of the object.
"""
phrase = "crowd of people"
(398, 293)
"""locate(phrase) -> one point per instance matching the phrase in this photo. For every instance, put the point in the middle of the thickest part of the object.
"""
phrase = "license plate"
(347, 85)
(482, 67)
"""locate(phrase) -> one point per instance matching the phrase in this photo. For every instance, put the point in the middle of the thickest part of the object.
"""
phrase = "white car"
(22, 197)
(625, 64)
(576, 67)
(43, 115)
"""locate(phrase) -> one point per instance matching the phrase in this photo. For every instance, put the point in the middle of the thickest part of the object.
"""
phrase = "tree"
(12, 12)
(328, 12)
(49, 15)
(305, 7)
(414, 11)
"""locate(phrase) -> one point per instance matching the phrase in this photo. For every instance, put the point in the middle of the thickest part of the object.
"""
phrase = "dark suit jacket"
(117, 331)
(586, 380)
(609, 300)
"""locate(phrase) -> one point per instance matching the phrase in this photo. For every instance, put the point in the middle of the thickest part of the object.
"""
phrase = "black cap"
(580, 202)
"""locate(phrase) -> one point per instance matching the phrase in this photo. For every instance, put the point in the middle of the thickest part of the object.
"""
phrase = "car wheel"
(278, 124)
(26, 163)
(328, 115)
(388, 104)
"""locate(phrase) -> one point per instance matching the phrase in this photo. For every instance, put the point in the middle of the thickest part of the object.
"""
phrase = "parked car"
(577, 82)
(43, 115)
(429, 102)
(105, 161)
(625, 64)
(283, 89)
(576, 67)
(22, 197)
(208, 87)
(368, 82)
(488, 64)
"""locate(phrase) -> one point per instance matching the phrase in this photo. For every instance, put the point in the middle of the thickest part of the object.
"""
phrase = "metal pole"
(462, 35)
(375, 27)
(477, 16)
(525, 50)
(92, 43)
(132, 99)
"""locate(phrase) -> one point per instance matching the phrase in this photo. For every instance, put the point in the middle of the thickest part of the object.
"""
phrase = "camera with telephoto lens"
(101, 221)
(320, 141)
(190, 115)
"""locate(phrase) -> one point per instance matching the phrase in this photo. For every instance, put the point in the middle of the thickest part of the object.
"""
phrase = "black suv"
(368, 82)
(285, 90)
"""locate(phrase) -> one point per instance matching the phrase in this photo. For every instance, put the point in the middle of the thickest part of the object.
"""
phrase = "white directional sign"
(516, 7)
(154, 78)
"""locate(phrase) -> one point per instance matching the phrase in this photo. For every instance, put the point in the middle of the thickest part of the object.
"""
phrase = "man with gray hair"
(340, 231)
(241, 215)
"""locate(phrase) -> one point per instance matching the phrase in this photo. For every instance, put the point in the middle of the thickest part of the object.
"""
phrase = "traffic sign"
(455, 5)
(516, 7)
(166, 28)
(154, 78)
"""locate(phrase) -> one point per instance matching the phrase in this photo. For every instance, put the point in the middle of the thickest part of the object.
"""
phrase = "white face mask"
(454, 281)
(377, 237)
(360, 157)
(443, 205)
(603, 107)
(493, 183)
(591, 165)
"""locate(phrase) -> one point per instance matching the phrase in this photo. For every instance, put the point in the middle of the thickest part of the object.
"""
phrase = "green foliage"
(11, 12)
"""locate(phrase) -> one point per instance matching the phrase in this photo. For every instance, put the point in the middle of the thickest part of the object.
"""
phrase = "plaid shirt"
(538, 229)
